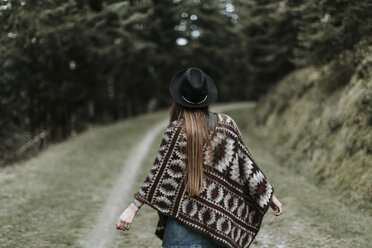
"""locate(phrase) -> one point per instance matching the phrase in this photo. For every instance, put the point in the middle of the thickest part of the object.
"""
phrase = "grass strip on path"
(103, 231)
(142, 231)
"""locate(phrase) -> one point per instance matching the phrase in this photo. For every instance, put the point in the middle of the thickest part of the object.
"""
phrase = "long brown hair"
(196, 122)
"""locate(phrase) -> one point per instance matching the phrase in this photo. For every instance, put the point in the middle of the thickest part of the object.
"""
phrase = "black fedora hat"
(193, 88)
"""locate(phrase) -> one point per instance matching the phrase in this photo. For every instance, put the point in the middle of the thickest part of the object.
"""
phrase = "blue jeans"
(177, 235)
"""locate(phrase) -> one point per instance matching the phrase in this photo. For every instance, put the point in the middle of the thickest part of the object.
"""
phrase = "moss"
(338, 73)
(325, 121)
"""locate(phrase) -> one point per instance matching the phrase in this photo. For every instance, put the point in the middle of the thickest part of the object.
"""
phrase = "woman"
(204, 183)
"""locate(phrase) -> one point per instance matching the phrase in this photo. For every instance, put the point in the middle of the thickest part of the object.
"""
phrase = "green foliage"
(218, 49)
(338, 73)
(63, 67)
(269, 38)
(328, 27)
(67, 64)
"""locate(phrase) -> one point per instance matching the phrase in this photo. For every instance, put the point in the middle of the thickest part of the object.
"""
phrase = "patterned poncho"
(235, 194)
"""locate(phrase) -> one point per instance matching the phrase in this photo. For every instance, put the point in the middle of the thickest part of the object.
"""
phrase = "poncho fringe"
(235, 194)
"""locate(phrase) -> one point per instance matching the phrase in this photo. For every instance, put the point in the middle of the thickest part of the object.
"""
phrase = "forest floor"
(71, 194)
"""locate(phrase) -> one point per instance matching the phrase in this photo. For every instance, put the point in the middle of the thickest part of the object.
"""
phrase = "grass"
(314, 216)
(329, 132)
(49, 200)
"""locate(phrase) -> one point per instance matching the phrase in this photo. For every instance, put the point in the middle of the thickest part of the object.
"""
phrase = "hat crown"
(193, 87)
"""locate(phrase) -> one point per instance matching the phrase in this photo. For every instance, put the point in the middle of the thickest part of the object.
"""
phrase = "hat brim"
(174, 90)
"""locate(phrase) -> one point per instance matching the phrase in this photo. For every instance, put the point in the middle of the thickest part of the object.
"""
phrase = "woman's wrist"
(137, 203)
(133, 207)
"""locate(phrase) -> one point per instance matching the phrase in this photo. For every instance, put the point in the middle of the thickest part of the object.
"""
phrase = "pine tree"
(328, 27)
(269, 36)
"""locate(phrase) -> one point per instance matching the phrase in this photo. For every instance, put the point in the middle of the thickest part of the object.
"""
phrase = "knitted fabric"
(235, 194)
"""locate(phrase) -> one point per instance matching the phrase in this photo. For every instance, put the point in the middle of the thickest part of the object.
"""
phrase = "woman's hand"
(276, 205)
(126, 218)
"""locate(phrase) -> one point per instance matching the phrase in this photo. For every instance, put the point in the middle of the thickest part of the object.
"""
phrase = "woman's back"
(235, 193)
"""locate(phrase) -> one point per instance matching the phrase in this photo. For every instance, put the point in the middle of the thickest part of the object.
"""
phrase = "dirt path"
(103, 229)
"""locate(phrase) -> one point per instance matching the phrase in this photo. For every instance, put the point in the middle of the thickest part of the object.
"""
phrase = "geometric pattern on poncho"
(235, 194)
